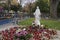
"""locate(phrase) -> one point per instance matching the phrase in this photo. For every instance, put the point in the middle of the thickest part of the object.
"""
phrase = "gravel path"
(7, 26)
(58, 36)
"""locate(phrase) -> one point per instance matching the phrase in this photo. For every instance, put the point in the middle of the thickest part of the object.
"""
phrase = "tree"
(15, 8)
(53, 8)
(43, 5)
(30, 9)
(58, 10)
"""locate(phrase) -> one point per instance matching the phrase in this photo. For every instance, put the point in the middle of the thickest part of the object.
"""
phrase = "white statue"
(37, 15)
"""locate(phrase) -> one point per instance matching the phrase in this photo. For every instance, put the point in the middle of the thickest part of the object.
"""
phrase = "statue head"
(37, 7)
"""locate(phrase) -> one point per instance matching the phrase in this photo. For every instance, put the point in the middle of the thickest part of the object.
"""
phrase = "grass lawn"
(54, 24)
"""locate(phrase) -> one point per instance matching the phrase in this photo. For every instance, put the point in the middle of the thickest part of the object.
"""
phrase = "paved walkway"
(58, 36)
(7, 26)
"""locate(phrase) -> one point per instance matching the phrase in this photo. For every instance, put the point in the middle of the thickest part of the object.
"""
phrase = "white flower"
(42, 25)
(18, 30)
(24, 28)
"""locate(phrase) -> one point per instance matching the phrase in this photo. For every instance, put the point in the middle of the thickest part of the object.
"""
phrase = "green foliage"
(15, 8)
(50, 23)
(43, 4)
(33, 9)
(58, 10)
(5, 7)
(27, 37)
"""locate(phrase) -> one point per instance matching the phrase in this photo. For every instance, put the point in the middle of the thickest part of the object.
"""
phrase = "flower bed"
(30, 33)
(41, 33)
(8, 34)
